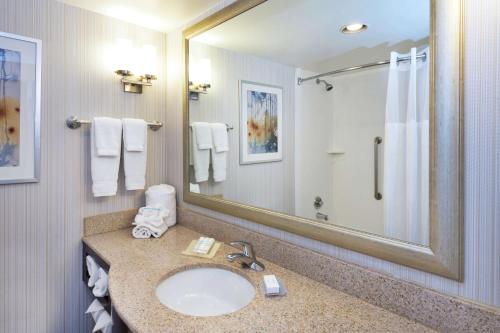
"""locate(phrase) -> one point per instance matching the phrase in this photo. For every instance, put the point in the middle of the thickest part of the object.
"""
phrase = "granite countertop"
(138, 265)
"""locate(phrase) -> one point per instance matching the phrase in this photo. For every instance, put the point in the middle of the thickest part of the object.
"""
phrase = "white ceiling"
(300, 32)
(161, 15)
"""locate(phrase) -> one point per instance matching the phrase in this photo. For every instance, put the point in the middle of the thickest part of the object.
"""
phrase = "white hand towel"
(163, 194)
(150, 221)
(219, 137)
(95, 309)
(134, 134)
(203, 133)
(108, 136)
(93, 269)
(194, 188)
(103, 322)
(219, 162)
(201, 160)
(104, 169)
(135, 157)
(101, 285)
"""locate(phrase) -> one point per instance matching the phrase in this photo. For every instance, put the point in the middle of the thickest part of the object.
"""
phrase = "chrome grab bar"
(376, 143)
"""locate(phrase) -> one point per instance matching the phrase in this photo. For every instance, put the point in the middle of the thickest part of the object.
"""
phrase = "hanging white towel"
(201, 160)
(108, 136)
(219, 162)
(163, 194)
(220, 137)
(101, 285)
(194, 188)
(104, 169)
(203, 135)
(134, 134)
(93, 269)
(134, 153)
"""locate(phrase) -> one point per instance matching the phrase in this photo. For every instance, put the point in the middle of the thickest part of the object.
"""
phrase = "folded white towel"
(219, 137)
(134, 134)
(134, 153)
(93, 269)
(203, 133)
(150, 221)
(163, 194)
(219, 162)
(194, 188)
(104, 323)
(201, 160)
(101, 285)
(104, 169)
(108, 136)
(95, 309)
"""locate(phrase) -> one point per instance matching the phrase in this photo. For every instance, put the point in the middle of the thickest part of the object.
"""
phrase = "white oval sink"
(205, 292)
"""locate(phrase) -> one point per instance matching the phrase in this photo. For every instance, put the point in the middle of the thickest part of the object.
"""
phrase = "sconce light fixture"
(200, 76)
(143, 61)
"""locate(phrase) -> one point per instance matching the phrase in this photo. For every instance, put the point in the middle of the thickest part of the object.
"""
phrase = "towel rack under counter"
(73, 122)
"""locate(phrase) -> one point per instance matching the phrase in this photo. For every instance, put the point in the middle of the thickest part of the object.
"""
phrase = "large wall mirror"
(336, 120)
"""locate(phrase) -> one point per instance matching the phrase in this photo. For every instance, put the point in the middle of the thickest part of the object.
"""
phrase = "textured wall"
(268, 185)
(482, 165)
(41, 223)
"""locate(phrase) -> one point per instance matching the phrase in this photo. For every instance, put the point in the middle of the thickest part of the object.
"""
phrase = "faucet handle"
(245, 246)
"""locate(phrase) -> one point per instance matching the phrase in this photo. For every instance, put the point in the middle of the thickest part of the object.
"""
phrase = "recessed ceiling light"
(353, 28)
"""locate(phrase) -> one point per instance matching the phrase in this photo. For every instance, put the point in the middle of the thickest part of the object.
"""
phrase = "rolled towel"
(101, 285)
(163, 194)
(141, 232)
(104, 323)
(93, 269)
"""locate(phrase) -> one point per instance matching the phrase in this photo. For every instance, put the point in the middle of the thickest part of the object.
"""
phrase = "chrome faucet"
(247, 257)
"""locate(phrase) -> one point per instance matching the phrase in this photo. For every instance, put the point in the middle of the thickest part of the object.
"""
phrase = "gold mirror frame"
(444, 255)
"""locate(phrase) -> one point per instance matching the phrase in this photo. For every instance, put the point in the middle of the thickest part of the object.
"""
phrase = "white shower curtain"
(406, 150)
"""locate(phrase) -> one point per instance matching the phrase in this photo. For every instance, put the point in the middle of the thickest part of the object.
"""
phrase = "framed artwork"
(261, 113)
(20, 70)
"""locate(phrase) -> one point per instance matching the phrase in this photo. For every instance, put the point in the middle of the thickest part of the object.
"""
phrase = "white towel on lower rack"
(134, 153)
(104, 169)
(104, 323)
(201, 160)
(93, 269)
(95, 308)
(101, 285)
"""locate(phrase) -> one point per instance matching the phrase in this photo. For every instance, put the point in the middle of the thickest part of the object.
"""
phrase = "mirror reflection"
(327, 120)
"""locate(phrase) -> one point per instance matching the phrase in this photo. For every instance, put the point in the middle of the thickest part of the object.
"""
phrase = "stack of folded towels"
(158, 214)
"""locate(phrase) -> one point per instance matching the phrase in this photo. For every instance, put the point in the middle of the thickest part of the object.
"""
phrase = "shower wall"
(334, 156)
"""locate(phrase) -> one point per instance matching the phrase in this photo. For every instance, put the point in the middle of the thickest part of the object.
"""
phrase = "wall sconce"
(144, 61)
(200, 76)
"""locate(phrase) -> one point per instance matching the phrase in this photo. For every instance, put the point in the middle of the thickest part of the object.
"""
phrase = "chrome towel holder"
(73, 122)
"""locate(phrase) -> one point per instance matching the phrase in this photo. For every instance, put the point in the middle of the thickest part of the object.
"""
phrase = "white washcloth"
(134, 153)
(101, 285)
(203, 135)
(108, 136)
(141, 232)
(103, 323)
(163, 194)
(93, 269)
(219, 162)
(201, 160)
(194, 188)
(219, 137)
(104, 169)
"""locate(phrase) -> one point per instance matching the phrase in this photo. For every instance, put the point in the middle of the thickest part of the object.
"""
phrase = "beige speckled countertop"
(138, 265)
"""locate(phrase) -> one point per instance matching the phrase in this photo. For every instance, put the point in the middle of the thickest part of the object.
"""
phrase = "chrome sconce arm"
(133, 84)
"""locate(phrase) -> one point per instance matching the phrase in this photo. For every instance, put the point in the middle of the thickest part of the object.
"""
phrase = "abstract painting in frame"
(261, 113)
(20, 70)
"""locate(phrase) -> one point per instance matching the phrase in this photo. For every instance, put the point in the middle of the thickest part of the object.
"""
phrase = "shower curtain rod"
(300, 80)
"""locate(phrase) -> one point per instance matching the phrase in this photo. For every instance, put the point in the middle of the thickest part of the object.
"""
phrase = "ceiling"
(301, 32)
(161, 15)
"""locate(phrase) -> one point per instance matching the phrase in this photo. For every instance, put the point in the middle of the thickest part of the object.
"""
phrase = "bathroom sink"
(205, 292)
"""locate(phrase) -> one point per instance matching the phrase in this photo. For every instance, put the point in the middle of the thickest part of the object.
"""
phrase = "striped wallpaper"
(482, 165)
(41, 224)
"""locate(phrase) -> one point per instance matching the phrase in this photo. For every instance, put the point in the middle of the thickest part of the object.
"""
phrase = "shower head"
(328, 86)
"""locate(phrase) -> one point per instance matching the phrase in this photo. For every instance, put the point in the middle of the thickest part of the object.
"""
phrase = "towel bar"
(73, 122)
